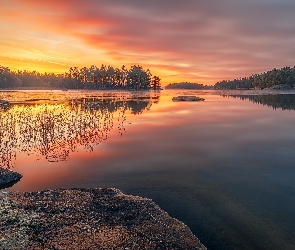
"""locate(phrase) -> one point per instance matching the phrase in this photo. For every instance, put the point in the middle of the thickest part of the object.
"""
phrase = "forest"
(104, 77)
(283, 78)
(187, 85)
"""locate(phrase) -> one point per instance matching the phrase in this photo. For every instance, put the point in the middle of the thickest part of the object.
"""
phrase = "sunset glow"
(198, 41)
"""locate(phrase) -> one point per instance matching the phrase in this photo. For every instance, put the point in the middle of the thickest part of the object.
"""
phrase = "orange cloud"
(200, 41)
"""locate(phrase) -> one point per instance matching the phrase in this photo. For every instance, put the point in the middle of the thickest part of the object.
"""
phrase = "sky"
(201, 41)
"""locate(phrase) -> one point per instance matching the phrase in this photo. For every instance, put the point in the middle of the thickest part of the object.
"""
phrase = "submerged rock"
(187, 99)
(8, 178)
(88, 219)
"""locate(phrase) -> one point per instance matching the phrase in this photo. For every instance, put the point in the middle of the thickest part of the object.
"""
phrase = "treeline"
(187, 85)
(104, 77)
(283, 78)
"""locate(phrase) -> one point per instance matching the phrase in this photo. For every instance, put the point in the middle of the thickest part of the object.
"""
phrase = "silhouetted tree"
(155, 83)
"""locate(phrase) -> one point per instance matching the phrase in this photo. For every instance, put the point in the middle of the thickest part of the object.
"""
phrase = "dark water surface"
(225, 166)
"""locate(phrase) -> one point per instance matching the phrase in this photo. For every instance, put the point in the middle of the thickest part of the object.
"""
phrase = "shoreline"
(100, 218)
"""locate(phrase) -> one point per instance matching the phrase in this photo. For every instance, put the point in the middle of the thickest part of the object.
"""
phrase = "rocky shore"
(281, 87)
(4, 105)
(88, 219)
(8, 178)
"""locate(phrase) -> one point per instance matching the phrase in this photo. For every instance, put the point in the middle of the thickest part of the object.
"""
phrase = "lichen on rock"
(89, 219)
(8, 177)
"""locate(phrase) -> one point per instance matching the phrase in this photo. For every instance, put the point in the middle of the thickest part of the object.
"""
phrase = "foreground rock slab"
(88, 219)
(187, 99)
(8, 178)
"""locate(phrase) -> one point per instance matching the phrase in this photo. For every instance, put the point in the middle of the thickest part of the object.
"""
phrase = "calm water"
(225, 166)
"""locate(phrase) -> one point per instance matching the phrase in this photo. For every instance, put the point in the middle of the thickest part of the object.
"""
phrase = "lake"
(224, 166)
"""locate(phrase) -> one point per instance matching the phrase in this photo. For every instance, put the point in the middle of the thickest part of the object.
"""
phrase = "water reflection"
(225, 167)
(52, 129)
(279, 101)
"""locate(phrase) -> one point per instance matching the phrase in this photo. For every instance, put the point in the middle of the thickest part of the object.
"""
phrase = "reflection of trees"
(285, 102)
(55, 130)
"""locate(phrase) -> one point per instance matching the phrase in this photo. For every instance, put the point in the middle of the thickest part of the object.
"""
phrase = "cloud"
(216, 39)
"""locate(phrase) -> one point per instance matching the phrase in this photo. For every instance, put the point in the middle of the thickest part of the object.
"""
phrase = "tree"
(105, 77)
(138, 78)
(155, 83)
(284, 76)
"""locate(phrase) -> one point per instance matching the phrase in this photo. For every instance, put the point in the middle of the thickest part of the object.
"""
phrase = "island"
(105, 77)
(187, 85)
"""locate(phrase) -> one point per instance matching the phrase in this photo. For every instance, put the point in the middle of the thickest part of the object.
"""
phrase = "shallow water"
(225, 166)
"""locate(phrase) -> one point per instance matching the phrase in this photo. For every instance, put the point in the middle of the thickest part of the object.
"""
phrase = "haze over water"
(225, 166)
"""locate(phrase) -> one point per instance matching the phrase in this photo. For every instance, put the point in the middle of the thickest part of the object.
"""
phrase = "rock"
(5, 105)
(281, 87)
(187, 99)
(88, 219)
(8, 178)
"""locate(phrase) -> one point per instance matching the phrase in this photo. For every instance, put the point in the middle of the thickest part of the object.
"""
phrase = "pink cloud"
(216, 40)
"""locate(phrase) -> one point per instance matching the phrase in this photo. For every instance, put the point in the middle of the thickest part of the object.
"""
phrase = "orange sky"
(198, 41)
